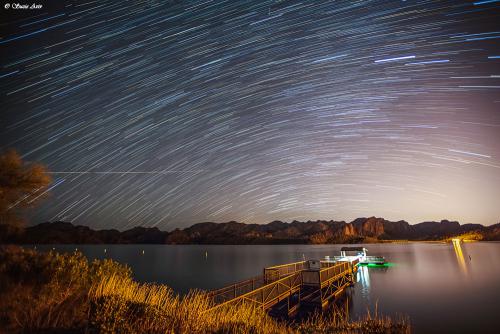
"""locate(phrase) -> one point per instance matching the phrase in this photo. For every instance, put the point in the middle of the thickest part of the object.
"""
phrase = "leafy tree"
(22, 185)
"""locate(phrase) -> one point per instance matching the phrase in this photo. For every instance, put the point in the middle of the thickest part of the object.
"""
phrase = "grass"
(48, 291)
(156, 309)
(337, 321)
(58, 293)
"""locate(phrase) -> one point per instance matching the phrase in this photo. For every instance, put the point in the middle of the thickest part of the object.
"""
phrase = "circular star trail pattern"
(170, 113)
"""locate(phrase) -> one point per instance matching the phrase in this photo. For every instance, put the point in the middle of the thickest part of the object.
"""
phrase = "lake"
(441, 288)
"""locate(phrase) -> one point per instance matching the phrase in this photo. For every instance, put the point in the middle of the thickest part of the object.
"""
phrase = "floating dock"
(282, 290)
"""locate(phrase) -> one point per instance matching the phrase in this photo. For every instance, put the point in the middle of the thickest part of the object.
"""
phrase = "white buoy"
(206, 254)
(143, 252)
(104, 250)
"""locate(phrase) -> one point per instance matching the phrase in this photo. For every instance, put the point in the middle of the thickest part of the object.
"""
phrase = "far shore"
(360, 231)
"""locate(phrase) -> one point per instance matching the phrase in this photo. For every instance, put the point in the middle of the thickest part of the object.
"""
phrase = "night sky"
(170, 113)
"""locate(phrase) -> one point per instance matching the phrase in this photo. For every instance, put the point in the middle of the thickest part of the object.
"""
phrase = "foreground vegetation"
(62, 293)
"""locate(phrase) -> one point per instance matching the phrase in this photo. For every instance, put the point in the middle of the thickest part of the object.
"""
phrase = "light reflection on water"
(460, 255)
(363, 278)
(441, 287)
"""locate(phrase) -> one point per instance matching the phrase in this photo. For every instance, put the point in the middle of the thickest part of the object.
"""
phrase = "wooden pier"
(284, 289)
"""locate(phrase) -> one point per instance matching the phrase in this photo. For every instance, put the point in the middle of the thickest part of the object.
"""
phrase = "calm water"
(442, 288)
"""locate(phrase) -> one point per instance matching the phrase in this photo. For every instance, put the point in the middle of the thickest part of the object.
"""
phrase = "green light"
(375, 265)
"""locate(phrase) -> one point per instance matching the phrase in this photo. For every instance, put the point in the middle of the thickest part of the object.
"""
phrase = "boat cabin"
(359, 251)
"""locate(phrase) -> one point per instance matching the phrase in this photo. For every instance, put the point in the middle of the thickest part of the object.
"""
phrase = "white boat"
(358, 254)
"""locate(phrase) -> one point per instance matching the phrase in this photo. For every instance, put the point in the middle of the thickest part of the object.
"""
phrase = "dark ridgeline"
(311, 232)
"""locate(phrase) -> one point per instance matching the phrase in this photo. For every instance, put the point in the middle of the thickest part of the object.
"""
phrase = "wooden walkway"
(285, 288)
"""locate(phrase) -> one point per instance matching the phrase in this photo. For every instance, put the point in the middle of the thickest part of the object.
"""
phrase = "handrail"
(285, 265)
(327, 264)
(270, 292)
(272, 273)
(253, 280)
(237, 289)
(331, 272)
(287, 278)
(276, 272)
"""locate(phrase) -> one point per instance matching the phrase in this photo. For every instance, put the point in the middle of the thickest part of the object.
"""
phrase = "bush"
(47, 291)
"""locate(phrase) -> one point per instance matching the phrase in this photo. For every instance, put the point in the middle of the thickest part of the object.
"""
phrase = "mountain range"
(360, 230)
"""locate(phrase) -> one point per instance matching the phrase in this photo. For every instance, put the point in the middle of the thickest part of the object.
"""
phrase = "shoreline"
(251, 244)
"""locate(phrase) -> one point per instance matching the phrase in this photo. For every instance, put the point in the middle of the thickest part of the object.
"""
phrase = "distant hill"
(360, 230)
(323, 232)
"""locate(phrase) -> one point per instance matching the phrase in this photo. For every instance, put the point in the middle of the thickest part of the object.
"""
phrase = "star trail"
(169, 113)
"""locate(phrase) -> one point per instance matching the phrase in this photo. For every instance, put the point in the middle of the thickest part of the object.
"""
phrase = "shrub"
(44, 291)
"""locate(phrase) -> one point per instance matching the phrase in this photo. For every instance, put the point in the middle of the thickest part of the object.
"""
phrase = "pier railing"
(271, 274)
(235, 290)
(274, 273)
(283, 281)
(332, 273)
(326, 264)
(270, 294)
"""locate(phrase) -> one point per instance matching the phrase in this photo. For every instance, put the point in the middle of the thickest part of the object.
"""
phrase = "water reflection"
(460, 255)
(363, 278)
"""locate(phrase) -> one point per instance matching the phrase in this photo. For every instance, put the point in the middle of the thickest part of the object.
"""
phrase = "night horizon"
(170, 114)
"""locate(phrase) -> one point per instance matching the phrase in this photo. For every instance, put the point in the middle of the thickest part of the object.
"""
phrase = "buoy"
(143, 252)
(206, 254)
(104, 250)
